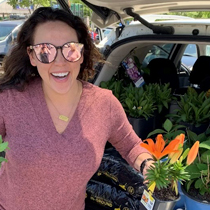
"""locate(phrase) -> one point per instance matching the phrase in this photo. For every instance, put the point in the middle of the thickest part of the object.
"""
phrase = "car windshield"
(191, 50)
(107, 31)
(5, 30)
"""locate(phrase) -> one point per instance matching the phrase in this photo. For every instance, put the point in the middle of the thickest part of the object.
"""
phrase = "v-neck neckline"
(43, 114)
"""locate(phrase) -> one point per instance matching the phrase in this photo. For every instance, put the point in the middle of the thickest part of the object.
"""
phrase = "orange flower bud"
(176, 156)
(193, 153)
(181, 137)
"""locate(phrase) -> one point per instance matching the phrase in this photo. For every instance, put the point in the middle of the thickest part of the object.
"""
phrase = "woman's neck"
(67, 98)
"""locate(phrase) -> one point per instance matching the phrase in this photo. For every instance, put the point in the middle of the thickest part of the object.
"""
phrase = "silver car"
(8, 34)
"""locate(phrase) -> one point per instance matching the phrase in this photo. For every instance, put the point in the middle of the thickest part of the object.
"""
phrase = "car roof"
(104, 12)
(11, 22)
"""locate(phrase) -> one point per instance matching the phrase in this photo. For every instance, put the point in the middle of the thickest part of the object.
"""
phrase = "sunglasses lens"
(72, 51)
(45, 53)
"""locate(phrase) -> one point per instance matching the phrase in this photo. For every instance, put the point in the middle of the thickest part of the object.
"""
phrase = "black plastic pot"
(173, 107)
(141, 126)
(198, 130)
(160, 117)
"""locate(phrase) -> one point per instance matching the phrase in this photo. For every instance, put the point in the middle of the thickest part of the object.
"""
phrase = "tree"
(86, 10)
(30, 4)
(193, 14)
(33, 4)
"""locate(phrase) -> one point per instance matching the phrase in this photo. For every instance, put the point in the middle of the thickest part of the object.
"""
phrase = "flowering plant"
(165, 174)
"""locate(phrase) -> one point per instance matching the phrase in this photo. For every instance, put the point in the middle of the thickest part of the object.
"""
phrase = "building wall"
(7, 9)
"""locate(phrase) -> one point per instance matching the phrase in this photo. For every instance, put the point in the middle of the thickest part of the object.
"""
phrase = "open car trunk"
(142, 48)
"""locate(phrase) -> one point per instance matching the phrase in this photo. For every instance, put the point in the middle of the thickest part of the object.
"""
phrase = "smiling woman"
(46, 109)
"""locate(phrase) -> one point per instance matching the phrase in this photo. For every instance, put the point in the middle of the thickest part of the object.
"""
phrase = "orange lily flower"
(174, 156)
(193, 153)
(157, 149)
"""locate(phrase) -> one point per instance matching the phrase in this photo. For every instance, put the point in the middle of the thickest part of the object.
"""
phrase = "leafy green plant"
(161, 93)
(193, 108)
(3, 147)
(137, 102)
(200, 170)
(169, 130)
(192, 137)
(116, 86)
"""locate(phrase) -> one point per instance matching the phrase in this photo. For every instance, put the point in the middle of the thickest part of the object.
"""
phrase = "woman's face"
(59, 76)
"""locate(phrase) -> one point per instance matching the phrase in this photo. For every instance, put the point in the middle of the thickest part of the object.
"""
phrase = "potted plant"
(137, 102)
(197, 189)
(162, 177)
(162, 96)
(169, 132)
(139, 107)
(193, 111)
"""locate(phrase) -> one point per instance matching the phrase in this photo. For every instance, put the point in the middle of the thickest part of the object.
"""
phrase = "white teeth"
(60, 74)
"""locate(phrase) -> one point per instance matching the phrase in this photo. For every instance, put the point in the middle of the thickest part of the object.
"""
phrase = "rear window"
(157, 51)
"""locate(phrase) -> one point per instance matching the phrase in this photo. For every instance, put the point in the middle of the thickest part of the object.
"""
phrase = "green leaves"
(145, 100)
(200, 170)
(205, 156)
(115, 86)
(3, 147)
(194, 108)
(164, 173)
(193, 170)
(27, 3)
(169, 130)
(205, 144)
(199, 175)
(161, 94)
(158, 174)
(137, 102)
(167, 125)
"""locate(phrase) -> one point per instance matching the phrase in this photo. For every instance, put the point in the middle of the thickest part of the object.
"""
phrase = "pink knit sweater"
(47, 170)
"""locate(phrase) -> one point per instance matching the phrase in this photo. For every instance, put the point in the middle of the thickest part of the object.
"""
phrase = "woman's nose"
(59, 58)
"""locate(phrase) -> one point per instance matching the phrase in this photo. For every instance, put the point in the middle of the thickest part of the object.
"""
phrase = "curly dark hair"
(17, 68)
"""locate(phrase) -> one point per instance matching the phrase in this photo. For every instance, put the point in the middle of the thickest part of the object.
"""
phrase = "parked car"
(8, 34)
(104, 33)
(17, 16)
(146, 40)
(176, 52)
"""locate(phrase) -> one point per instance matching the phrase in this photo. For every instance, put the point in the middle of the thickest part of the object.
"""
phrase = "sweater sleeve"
(122, 136)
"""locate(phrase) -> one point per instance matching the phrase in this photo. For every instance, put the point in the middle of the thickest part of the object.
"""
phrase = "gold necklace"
(61, 116)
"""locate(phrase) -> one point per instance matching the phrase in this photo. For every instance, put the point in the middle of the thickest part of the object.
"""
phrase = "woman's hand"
(148, 164)
(143, 163)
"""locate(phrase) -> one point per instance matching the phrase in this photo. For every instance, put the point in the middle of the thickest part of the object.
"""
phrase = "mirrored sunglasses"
(47, 53)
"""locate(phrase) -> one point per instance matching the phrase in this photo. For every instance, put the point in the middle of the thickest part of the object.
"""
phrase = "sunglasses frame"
(31, 47)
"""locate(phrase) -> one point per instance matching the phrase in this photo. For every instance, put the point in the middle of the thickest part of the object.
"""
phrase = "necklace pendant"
(64, 118)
